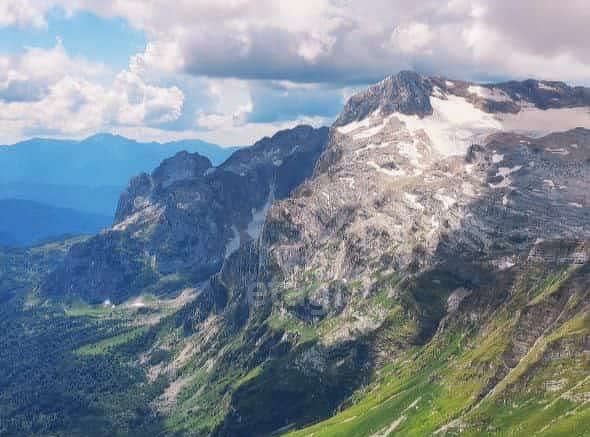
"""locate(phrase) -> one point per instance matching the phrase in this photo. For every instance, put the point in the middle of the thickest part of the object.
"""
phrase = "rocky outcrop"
(407, 93)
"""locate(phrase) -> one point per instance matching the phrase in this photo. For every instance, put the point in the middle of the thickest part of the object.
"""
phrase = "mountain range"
(85, 177)
(419, 268)
(25, 222)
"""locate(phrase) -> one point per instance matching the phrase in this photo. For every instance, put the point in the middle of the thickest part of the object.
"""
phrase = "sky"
(233, 71)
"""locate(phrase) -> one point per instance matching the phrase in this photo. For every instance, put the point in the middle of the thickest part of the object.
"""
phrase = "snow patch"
(505, 171)
(544, 86)
(354, 125)
(496, 158)
(505, 263)
(558, 151)
(412, 200)
(234, 243)
(454, 125)
(437, 92)
(504, 183)
(367, 127)
(256, 225)
(372, 146)
(447, 201)
(536, 122)
(369, 132)
(137, 303)
(489, 93)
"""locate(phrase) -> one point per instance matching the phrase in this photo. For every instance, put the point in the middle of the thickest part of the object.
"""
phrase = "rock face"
(187, 216)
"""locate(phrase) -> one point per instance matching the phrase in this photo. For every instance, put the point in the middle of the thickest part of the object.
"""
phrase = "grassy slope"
(445, 386)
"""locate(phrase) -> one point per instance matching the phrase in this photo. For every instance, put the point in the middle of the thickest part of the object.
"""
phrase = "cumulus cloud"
(229, 104)
(28, 76)
(22, 13)
(46, 90)
(358, 41)
(344, 41)
(413, 37)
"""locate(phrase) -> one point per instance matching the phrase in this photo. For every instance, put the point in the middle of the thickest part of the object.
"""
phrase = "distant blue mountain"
(97, 200)
(23, 222)
(86, 175)
(100, 160)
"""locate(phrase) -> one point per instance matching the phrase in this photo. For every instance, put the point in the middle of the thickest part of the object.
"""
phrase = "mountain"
(188, 216)
(86, 175)
(93, 200)
(24, 222)
(444, 229)
(420, 268)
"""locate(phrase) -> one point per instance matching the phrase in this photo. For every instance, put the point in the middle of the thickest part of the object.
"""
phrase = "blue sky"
(111, 41)
(232, 71)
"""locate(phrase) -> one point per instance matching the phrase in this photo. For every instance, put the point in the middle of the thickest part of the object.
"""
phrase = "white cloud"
(413, 37)
(224, 134)
(39, 68)
(162, 55)
(138, 102)
(355, 41)
(230, 104)
(343, 41)
(22, 13)
(70, 96)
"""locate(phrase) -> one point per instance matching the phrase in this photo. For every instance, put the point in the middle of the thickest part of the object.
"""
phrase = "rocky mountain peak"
(274, 150)
(406, 92)
(181, 166)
